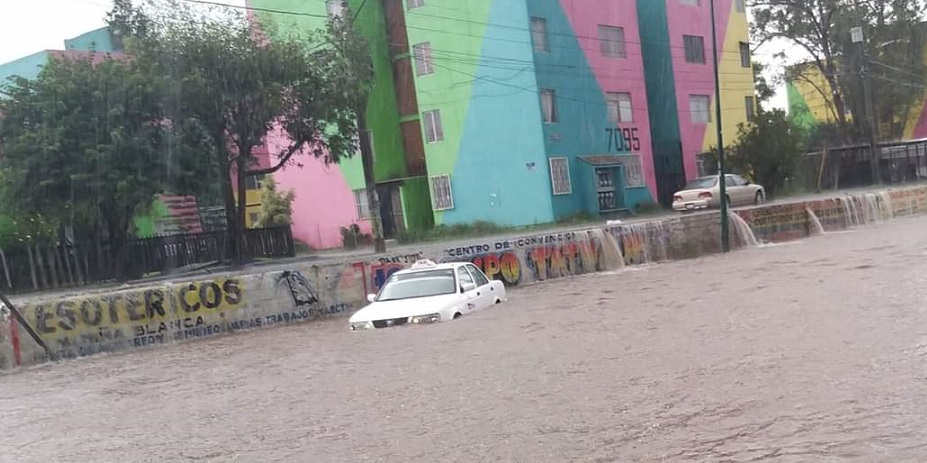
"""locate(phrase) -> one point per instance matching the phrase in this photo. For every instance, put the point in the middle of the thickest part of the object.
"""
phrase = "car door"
(486, 296)
(472, 296)
(732, 191)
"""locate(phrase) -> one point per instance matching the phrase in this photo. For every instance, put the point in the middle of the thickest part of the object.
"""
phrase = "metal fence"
(33, 268)
(849, 167)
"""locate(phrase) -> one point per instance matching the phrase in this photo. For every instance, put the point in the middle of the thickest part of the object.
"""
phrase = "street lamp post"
(725, 225)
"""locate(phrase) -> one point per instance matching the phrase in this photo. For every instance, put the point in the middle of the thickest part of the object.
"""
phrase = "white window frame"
(549, 106)
(413, 4)
(750, 106)
(336, 8)
(447, 192)
(620, 107)
(361, 204)
(560, 181)
(633, 171)
(539, 36)
(423, 59)
(434, 128)
(612, 47)
(694, 111)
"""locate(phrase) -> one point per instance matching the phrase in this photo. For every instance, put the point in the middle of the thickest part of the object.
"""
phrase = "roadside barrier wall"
(114, 320)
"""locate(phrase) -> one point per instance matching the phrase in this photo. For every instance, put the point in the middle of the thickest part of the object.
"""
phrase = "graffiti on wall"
(306, 302)
(89, 324)
(535, 258)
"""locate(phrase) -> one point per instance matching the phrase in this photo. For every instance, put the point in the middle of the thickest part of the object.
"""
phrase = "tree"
(232, 88)
(276, 207)
(764, 91)
(85, 144)
(894, 42)
(770, 147)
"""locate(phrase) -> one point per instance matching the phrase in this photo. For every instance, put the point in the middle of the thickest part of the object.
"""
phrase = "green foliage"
(83, 145)
(276, 207)
(895, 41)
(444, 232)
(231, 87)
(769, 150)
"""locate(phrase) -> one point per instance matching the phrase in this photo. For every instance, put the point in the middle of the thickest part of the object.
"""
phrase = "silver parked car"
(705, 192)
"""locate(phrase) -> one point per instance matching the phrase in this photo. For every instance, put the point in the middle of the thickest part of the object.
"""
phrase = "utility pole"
(857, 36)
(725, 224)
(373, 199)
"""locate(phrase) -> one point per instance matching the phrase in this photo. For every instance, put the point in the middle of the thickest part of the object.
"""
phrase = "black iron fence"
(850, 166)
(34, 268)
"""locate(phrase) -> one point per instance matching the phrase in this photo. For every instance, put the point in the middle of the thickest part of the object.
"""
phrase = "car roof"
(425, 265)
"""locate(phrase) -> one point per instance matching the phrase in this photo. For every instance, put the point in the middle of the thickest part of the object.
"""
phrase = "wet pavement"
(807, 351)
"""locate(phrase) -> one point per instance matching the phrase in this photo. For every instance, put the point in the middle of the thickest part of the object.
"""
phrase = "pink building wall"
(324, 200)
(616, 74)
(695, 78)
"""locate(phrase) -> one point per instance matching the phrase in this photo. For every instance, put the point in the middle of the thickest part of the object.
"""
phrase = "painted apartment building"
(528, 111)
(808, 108)
(167, 217)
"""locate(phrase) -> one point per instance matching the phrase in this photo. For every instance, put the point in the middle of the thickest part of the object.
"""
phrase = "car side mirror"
(467, 287)
(371, 298)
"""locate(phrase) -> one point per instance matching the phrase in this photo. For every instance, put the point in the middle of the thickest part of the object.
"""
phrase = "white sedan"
(705, 192)
(429, 293)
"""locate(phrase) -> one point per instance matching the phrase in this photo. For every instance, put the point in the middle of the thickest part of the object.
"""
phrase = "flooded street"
(807, 351)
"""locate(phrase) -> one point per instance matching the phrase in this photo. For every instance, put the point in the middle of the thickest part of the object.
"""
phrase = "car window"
(418, 284)
(729, 181)
(739, 180)
(701, 183)
(478, 275)
(464, 276)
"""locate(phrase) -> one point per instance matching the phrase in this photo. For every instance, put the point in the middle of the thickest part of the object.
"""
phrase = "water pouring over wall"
(742, 230)
(815, 227)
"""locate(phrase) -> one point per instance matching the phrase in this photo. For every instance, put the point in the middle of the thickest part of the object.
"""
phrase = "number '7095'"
(623, 139)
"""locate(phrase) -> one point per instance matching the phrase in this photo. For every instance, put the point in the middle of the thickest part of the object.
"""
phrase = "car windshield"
(701, 183)
(418, 284)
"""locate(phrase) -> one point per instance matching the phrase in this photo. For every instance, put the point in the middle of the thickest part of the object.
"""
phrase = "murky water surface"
(812, 351)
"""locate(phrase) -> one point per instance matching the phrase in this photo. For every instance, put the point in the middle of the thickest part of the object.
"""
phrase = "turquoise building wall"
(485, 88)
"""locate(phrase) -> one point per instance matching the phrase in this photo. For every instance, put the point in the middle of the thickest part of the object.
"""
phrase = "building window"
(700, 107)
(335, 8)
(361, 205)
(560, 176)
(619, 107)
(690, 2)
(695, 48)
(633, 171)
(539, 34)
(412, 4)
(442, 198)
(434, 131)
(549, 106)
(423, 64)
(253, 218)
(739, 4)
(750, 105)
(611, 42)
(254, 182)
(744, 54)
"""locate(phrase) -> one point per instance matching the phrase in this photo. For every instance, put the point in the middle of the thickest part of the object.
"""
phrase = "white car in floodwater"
(429, 293)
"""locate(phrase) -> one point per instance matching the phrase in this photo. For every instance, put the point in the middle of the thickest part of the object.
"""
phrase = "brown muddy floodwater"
(811, 351)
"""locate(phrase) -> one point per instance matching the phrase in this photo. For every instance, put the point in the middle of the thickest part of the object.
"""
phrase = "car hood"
(405, 308)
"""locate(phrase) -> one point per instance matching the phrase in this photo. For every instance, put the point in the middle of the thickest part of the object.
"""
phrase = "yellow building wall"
(735, 80)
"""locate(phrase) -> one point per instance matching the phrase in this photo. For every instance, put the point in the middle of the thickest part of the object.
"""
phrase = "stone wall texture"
(147, 316)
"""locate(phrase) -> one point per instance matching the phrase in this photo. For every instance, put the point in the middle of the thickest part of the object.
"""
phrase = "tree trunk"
(242, 208)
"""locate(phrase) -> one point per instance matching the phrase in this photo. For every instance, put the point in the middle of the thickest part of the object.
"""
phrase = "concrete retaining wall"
(124, 319)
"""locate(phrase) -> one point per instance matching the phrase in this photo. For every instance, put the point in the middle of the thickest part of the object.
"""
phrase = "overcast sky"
(30, 26)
